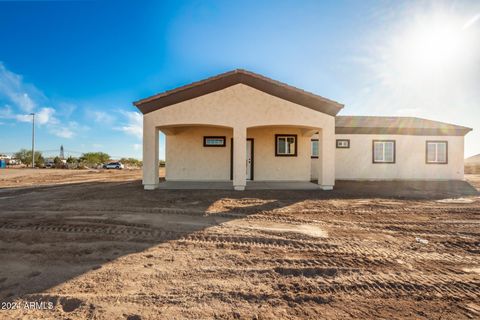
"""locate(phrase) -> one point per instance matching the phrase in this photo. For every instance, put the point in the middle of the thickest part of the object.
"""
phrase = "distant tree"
(72, 160)
(58, 163)
(25, 156)
(131, 162)
(161, 163)
(94, 158)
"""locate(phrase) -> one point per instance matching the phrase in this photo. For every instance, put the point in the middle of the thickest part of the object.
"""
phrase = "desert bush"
(93, 159)
(25, 156)
(131, 162)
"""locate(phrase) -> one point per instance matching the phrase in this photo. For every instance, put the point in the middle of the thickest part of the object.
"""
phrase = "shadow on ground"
(51, 234)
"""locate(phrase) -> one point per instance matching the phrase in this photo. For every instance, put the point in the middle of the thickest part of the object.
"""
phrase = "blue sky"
(80, 64)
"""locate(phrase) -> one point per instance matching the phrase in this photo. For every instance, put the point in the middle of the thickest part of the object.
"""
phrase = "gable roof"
(224, 80)
(396, 125)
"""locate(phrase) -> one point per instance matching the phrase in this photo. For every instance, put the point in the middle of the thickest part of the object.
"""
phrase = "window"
(214, 141)
(343, 143)
(314, 146)
(383, 151)
(285, 145)
(437, 152)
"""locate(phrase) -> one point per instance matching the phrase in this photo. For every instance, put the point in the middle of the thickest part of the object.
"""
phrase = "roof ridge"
(254, 80)
(227, 73)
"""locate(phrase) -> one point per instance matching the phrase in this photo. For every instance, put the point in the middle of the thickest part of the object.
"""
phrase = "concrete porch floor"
(227, 185)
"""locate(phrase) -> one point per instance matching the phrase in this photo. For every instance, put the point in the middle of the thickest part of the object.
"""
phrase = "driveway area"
(95, 245)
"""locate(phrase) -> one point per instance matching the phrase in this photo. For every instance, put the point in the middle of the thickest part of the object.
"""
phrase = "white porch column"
(326, 158)
(239, 158)
(150, 156)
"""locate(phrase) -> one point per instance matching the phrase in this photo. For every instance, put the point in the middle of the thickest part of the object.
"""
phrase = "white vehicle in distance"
(113, 165)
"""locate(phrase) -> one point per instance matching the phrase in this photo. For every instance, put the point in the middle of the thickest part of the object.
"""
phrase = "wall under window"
(188, 159)
(268, 166)
(410, 153)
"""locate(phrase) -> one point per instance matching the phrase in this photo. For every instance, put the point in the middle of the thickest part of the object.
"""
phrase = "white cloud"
(62, 132)
(44, 116)
(137, 146)
(23, 117)
(23, 98)
(68, 130)
(102, 117)
(134, 125)
(18, 93)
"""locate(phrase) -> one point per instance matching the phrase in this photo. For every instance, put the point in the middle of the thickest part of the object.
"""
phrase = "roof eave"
(237, 76)
(457, 131)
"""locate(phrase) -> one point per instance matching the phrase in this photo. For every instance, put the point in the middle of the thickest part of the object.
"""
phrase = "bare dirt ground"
(96, 246)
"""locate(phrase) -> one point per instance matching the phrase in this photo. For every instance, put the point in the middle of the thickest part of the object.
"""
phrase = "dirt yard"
(94, 245)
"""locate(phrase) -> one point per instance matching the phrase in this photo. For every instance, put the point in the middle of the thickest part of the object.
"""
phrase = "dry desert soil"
(94, 245)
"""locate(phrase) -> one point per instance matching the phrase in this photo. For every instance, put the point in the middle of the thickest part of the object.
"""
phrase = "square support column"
(326, 158)
(239, 158)
(150, 157)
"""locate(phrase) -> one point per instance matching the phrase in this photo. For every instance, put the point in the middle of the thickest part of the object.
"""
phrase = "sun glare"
(435, 43)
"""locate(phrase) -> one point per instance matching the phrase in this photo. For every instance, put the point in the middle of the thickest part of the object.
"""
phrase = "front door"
(249, 159)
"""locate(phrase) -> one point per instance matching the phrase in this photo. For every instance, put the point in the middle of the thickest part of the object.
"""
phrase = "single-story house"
(240, 126)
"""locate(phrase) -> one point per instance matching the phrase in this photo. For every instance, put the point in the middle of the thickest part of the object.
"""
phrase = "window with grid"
(383, 151)
(437, 152)
(214, 141)
(286, 145)
(314, 145)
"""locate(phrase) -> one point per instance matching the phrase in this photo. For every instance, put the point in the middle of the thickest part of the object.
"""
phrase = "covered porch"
(259, 157)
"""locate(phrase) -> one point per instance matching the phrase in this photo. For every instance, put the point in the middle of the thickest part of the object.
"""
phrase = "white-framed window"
(383, 151)
(314, 148)
(437, 152)
(343, 143)
(214, 141)
(286, 145)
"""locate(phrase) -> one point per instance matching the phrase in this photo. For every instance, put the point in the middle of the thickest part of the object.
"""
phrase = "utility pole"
(33, 140)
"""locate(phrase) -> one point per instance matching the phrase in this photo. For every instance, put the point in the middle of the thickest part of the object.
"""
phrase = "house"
(240, 126)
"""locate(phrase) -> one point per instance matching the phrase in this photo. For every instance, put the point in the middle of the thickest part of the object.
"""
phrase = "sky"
(79, 65)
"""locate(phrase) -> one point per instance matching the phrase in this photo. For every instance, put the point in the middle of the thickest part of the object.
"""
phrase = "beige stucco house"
(241, 126)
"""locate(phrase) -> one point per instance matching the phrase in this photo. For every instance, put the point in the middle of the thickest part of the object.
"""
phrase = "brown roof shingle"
(396, 125)
(227, 79)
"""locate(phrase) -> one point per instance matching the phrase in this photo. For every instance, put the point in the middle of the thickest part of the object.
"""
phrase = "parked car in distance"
(113, 165)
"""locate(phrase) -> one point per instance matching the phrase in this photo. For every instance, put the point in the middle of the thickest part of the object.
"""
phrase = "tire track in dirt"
(341, 280)
(324, 246)
(344, 261)
(388, 285)
(330, 246)
(104, 229)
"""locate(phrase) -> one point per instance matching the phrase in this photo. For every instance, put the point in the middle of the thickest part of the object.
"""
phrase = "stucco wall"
(188, 159)
(238, 106)
(355, 163)
(268, 167)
